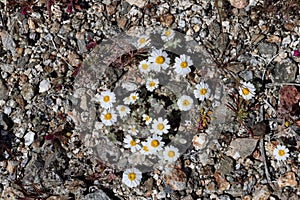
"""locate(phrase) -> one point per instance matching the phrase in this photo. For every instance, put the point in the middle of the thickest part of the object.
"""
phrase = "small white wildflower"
(106, 99)
(182, 65)
(145, 148)
(281, 152)
(151, 84)
(123, 111)
(185, 103)
(108, 117)
(132, 177)
(167, 34)
(129, 142)
(127, 100)
(171, 154)
(133, 130)
(147, 119)
(143, 41)
(144, 66)
(247, 90)
(160, 126)
(131, 99)
(154, 143)
(202, 91)
(159, 59)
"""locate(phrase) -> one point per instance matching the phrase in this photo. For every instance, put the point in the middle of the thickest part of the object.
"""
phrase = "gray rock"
(81, 46)
(44, 86)
(3, 90)
(98, 195)
(286, 41)
(261, 192)
(225, 166)
(246, 75)
(8, 42)
(138, 3)
(6, 68)
(29, 138)
(22, 61)
(242, 147)
(267, 49)
(214, 29)
(239, 3)
(285, 71)
(27, 92)
(225, 197)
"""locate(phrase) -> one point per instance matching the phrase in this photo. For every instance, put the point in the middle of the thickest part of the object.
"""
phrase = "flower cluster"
(108, 115)
(145, 133)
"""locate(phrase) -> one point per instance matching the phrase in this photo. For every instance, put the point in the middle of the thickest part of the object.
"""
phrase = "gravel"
(51, 54)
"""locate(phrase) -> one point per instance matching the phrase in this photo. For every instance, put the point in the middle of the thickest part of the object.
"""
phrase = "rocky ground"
(57, 56)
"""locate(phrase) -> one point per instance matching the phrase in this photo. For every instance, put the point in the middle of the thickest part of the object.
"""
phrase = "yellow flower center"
(281, 152)
(152, 84)
(142, 40)
(133, 98)
(185, 103)
(171, 154)
(144, 66)
(107, 116)
(147, 118)
(159, 60)
(106, 98)
(122, 109)
(245, 91)
(133, 129)
(154, 143)
(202, 91)
(167, 33)
(286, 123)
(183, 64)
(131, 176)
(145, 148)
(132, 143)
(160, 126)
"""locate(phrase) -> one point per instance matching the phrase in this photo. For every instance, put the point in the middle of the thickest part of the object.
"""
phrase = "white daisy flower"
(182, 65)
(131, 144)
(247, 90)
(106, 99)
(160, 126)
(171, 154)
(145, 148)
(167, 35)
(147, 119)
(185, 103)
(159, 59)
(144, 66)
(151, 84)
(108, 117)
(123, 111)
(143, 41)
(132, 177)
(281, 152)
(131, 99)
(127, 100)
(202, 91)
(154, 143)
(132, 130)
